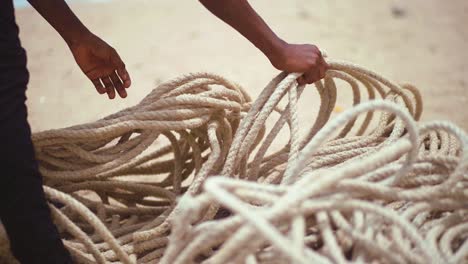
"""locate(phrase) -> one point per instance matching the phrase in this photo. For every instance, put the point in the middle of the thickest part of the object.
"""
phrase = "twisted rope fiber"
(192, 174)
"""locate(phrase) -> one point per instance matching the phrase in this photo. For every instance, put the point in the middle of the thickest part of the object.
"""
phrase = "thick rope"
(189, 175)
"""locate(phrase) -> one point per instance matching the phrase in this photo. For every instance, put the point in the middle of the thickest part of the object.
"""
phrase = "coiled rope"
(189, 176)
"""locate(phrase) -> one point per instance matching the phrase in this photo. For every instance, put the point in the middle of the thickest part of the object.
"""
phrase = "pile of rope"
(189, 175)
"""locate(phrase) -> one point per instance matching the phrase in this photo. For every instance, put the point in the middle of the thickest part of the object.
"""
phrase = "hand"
(102, 65)
(300, 58)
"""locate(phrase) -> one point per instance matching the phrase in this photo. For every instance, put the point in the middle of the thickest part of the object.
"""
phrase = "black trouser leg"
(23, 208)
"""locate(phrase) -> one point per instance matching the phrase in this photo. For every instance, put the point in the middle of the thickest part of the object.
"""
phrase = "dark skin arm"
(98, 61)
(283, 56)
(103, 66)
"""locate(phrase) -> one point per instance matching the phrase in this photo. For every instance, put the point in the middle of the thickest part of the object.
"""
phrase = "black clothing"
(23, 208)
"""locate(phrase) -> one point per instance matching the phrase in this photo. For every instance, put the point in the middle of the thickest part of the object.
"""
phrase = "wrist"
(75, 37)
(275, 48)
(277, 54)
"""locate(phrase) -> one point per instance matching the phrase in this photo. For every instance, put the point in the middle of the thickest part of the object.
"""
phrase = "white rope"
(189, 175)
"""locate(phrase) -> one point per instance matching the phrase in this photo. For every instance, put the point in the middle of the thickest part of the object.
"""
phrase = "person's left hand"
(102, 65)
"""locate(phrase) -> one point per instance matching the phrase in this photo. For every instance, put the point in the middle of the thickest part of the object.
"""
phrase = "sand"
(422, 42)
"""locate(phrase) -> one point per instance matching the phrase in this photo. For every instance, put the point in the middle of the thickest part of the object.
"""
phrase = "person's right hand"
(102, 65)
(300, 58)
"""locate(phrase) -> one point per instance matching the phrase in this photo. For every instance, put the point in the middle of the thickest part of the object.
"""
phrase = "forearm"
(61, 18)
(242, 17)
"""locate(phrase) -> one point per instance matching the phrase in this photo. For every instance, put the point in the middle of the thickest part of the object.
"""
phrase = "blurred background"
(422, 42)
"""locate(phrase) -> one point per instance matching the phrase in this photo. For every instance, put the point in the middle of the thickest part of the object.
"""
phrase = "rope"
(191, 175)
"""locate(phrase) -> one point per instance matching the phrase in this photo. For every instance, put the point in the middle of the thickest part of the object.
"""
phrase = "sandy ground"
(422, 42)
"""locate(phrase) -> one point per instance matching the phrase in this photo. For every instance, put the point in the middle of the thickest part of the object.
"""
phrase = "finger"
(301, 80)
(120, 66)
(312, 76)
(124, 76)
(99, 87)
(116, 60)
(321, 71)
(324, 67)
(109, 87)
(118, 85)
(324, 63)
